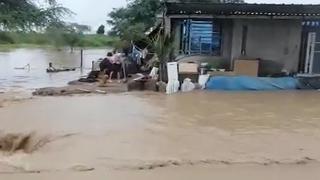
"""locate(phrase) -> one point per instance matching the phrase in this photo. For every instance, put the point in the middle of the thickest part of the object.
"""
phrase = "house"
(279, 36)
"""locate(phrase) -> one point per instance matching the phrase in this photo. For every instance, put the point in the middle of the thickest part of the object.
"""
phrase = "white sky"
(95, 12)
(91, 12)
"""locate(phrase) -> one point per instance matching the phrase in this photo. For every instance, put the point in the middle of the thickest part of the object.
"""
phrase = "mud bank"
(271, 135)
(76, 87)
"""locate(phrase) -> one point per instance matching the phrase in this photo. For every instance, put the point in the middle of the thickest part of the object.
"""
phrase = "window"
(201, 37)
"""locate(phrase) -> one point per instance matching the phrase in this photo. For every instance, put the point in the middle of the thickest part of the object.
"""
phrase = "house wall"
(276, 42)
(226, 42)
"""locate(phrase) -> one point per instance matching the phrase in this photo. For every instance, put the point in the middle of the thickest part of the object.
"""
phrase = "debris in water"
(27, 143)
(14, 142)
(82, 168)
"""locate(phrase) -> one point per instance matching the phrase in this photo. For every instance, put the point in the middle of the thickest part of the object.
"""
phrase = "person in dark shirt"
(106, 65)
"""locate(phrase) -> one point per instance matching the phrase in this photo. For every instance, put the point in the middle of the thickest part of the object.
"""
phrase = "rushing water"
(12, 78)
(148, 130)
(134, 129)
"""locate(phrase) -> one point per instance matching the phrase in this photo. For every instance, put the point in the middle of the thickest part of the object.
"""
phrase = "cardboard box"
(191, 68)
(220, 73)
(246, 67)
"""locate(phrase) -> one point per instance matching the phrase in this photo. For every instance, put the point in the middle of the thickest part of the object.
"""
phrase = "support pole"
(81, 62)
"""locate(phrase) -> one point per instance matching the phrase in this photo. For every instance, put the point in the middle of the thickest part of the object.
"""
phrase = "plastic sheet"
(251, 83)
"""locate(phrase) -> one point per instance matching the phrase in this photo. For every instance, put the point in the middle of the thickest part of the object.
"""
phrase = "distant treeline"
(56, 39)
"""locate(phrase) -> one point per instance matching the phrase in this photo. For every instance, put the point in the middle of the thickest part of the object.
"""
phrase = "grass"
(97, 41)
(36, 40)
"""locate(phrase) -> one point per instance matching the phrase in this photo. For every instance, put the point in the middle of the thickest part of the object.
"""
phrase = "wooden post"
(123, 64)
(81, 56)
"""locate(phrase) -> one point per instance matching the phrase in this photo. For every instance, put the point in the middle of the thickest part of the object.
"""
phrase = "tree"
(163, 46)
(101, 29)
(72, 39)
(134, 32)
(215, 1)
(74, 33)
(28, 14)
(66, 34)
(80, 28)
(55, 32)
(212, 1)
(232, 1)
(138, 13)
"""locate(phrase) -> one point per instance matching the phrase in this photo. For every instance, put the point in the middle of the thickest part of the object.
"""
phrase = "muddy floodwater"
(271, 132)
(13, 77)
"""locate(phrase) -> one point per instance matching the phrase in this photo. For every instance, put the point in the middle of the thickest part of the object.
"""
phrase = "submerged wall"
(276, 42)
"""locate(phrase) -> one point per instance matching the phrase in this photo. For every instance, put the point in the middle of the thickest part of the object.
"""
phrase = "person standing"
(116, 61)
(106, 65)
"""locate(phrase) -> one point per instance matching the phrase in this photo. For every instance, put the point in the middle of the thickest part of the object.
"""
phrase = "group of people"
(111, 65)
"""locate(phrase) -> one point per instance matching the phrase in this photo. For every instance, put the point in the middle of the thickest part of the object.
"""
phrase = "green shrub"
(57, 39)
(6, 38)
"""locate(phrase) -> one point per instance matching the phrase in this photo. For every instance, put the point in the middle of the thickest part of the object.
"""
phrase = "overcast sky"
(91, 12)
(95, 12)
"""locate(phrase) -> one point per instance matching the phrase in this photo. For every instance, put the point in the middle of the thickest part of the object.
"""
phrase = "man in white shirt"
(116, 61)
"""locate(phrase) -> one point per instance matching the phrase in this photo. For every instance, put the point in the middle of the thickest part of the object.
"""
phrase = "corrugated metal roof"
(311, 23)
(229, 9)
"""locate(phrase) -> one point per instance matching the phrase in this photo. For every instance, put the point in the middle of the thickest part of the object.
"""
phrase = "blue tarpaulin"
(239, 83)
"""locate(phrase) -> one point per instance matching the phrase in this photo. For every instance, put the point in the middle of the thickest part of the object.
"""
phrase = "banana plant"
(163, 46)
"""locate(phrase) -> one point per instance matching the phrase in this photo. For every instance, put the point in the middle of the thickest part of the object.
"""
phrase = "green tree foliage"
(5, 38)
(69, 34)
(212, 1)
(28, 14)
(232, 1)
(134, 32)
(55, 32)
(216, 1)
(163, 46)
(136, 17)
(101, 29)
(139, 15)
(80, 28)
(72, 39)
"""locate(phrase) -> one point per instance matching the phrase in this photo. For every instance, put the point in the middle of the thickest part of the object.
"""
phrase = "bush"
(97, 41)
(56, 38)
(6, 38)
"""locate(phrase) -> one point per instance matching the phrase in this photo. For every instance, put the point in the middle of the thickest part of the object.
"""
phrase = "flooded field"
(147, 131)
(12, 78)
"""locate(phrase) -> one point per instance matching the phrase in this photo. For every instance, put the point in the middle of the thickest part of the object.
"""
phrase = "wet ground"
(272, 132)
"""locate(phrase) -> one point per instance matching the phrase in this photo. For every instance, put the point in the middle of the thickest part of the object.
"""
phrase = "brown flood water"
(140, 131)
